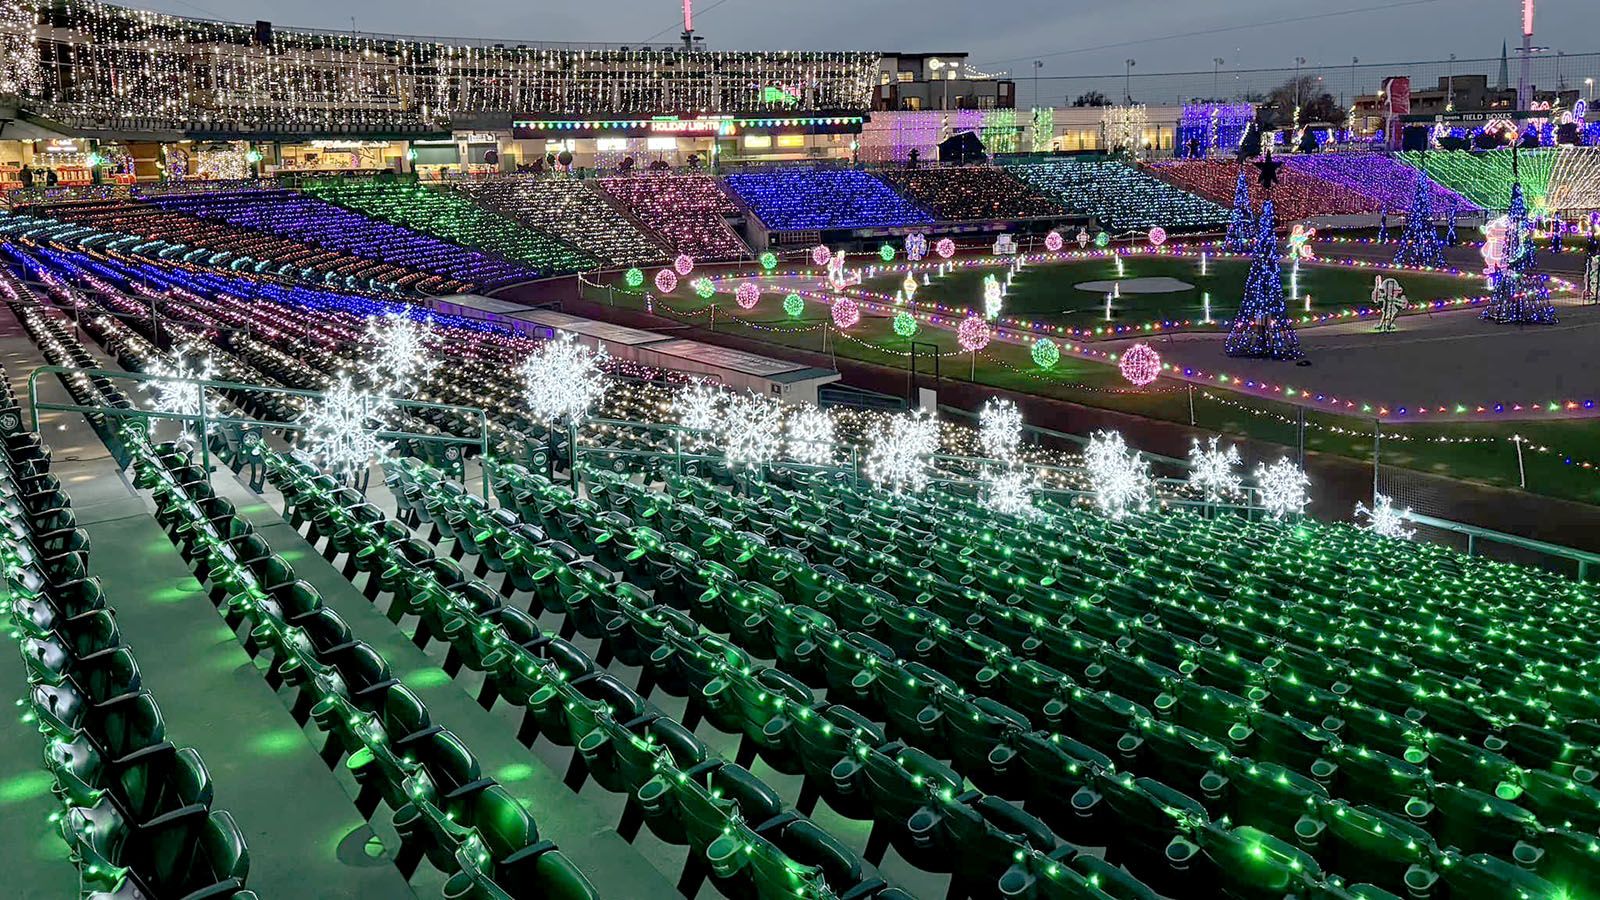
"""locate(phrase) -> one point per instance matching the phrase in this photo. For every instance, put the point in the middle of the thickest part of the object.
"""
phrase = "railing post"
(205, 445)
(483, 457)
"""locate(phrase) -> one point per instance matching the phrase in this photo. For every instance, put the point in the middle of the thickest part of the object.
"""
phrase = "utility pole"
(1216, 72)
(1127, 82)
(1037, 65)
(1450, 86)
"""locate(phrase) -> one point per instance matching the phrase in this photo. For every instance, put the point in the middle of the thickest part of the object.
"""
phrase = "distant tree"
(1315, 104)
(1091, 98)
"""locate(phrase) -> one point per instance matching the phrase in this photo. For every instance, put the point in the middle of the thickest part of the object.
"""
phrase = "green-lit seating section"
(135, 809)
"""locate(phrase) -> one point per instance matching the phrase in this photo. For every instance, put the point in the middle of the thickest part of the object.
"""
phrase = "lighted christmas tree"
(1419, 243)
(1241, 225)
(1450, 223)
(1262, 327)
(1521, 293)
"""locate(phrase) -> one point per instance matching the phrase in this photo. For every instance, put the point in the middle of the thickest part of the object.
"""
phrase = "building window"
(611, 145)
(757, 141)
(791, 140)
(661, 143)
(910, 102)
(906, 77)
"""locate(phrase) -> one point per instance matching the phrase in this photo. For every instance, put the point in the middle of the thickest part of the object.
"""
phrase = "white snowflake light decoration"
(1010, 492)
(1212, 471)
(562, 379)
(1119, 475)
(182, 398)
(1000, 429)
(399, 354)
(1384, 519)
(752, 431)
(902, 452)
(341, 434)
(810, 437)
(1283, 488)
(699, 409)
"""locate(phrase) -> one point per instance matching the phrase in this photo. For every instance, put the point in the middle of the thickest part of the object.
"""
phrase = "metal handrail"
(1475, 533)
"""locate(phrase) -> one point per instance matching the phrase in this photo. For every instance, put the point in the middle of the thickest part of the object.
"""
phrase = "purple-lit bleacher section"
(686, 211)
(1386, 180)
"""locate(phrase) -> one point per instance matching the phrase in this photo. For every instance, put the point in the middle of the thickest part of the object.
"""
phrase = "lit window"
(905, 77)
(661, 143)
(791, 140)
(757, 141)
(611, 145)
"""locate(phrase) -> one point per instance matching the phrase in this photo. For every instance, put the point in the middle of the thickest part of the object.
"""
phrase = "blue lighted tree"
(1520, 293)
(1241, 225)
(1450, 223)
(1262, 327)
(1419, 243)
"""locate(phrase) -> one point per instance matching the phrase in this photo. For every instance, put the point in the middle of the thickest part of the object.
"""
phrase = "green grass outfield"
(1490, 458)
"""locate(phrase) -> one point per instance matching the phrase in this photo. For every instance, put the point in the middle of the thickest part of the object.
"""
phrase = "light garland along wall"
(91, 63)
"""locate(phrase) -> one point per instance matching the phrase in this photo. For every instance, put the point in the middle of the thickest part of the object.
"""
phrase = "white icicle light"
(699, 409)
(341, 437)
(1119, 476)
(751, 431)
(562, 379)
(1212, 471)
(182, 398)
(400, 358)
(1283, 488)
(1000, 429)
(902, 452)
(1384, 519)
(1010, 492)
(810, 437)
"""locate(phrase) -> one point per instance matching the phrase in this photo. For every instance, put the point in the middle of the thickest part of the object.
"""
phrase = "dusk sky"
(1070, 35)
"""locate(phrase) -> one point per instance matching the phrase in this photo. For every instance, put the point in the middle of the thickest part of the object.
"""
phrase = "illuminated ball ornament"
(1102, 240)
(1053, 242)
(905, 324)
(1140, 364)
(845, 312)
(820, 255)
(747, 294)
(769, 260)
(1083, 238)
(946, 248)
(916, 246)
(1045, 353)
(633, 278)
(886, 253)
(703, 288)
(1157, 236)
(684, 264)
(666, 281)
(794, 305)
(973, 333)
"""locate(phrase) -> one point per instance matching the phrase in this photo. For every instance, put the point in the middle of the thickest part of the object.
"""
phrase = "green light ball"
(794, 305)
(703, 288)
(633, 278)
(1045, 353)
(905, 324)
(1102, 239)
(886, 253)
(769, 260)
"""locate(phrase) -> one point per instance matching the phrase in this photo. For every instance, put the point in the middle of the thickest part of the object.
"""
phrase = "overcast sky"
(1070, 35)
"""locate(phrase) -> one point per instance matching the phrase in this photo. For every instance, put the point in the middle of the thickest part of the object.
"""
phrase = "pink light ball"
(1158, 236)
(946, 248)
(684, 264)
(845, 312)
(747, 295)
(666, 281)
(1140, 364)
(1053, 242)
(973, 333)
(820, 255)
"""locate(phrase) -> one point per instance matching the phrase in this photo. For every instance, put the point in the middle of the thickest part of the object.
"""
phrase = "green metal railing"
(205, 417)
(1475, 534)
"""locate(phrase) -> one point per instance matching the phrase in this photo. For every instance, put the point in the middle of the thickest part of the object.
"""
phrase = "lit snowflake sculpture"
(902, 452)
(752, 431)
(562, 379)
(1212, 471)
(182, 398)
(1010, 492)
(1000, 429)
(399, 354)
(1384, 519)
(1120, 477)
(809, 438)
(1283, 488)
(341, 430)
(699, 409)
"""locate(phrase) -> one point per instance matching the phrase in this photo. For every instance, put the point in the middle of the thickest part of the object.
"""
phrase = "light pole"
(1216, 70)
(1298, 62)
(937, 65)
(1127, 82)
(1589, 83)
(1450, 86)
(1037, 65)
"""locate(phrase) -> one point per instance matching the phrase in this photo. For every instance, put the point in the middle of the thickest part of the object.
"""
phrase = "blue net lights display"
(1241, 224)
(1419, 243)
(1212, 129)
(1262, 328)
(1521, 293)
